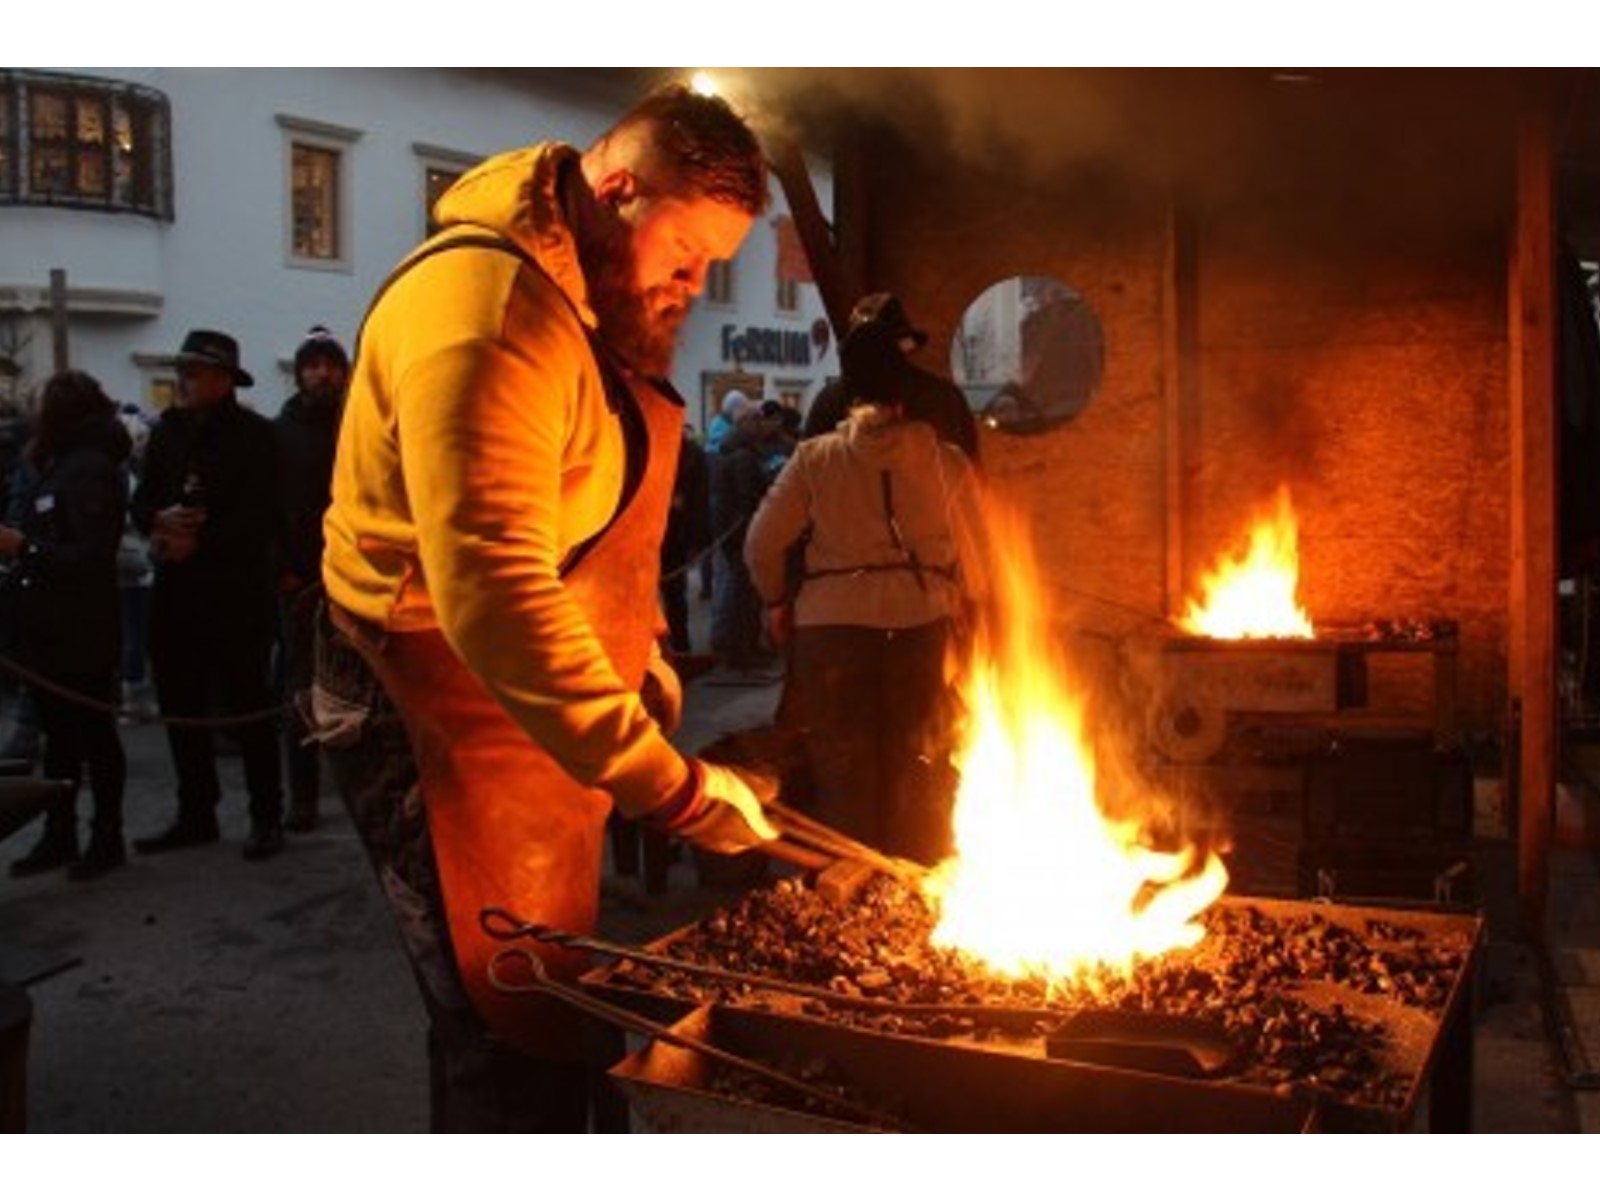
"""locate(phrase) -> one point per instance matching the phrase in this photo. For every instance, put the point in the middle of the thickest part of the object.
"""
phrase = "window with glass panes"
(84, 142)
(314, 201)
(788, 296)
(719, 282)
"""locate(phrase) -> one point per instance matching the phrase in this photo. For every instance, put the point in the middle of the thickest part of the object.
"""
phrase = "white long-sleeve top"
(858, 572)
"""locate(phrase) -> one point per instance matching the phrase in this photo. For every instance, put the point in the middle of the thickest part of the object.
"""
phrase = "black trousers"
(876, 718)
(212, 655)
(297, 623)
(675, 605)
(75, 735)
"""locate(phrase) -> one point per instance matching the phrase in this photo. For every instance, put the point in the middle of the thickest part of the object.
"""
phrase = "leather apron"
(510, 827)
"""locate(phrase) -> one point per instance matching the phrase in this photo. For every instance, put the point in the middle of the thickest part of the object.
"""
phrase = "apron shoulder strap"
(619, 396)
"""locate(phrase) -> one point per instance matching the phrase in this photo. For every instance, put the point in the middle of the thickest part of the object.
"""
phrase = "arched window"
(79, 141)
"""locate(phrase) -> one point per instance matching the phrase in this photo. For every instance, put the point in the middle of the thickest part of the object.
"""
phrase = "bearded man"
(307, 429)
(504, 472)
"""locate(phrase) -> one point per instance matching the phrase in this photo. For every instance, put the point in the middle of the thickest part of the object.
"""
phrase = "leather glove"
(718, 811)
(662, 694)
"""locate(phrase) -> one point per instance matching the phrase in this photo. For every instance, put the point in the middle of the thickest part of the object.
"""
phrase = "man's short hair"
(698, 146)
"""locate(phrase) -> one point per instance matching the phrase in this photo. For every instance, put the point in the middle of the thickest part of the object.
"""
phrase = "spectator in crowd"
(688, 534)
(16, 427)
(135, 578)
(779, 435)
(65, 553)
(739, 479)
(208, 501)
(308, 432)
(734, 405)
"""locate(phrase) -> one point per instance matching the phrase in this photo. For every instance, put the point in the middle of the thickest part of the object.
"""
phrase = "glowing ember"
(1042, 882)
(1251, 594)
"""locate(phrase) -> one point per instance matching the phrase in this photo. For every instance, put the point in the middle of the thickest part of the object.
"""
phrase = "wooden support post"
(59, 355)
(852, 215)
(1179, 310)
(1532, 665)
(789, 165)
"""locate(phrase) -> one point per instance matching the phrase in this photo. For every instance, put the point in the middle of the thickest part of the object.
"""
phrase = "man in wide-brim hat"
(209, 348)
(208, 499)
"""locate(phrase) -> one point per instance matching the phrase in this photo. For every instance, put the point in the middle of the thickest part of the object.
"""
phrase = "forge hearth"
(1205, 690)
(1354, 1010)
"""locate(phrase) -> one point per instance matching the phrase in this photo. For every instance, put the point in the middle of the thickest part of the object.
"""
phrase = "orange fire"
(1042, 881)
(1251, 593)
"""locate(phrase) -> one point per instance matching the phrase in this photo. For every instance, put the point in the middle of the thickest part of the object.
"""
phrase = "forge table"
(1013, 1085)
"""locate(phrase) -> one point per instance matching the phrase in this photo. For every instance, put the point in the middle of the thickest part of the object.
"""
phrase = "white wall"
(222, 262)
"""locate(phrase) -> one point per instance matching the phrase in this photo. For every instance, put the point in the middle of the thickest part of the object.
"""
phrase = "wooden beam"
(852, 214)
(1532, 659)
(816, 238)
(1180, 395)
(59, 346)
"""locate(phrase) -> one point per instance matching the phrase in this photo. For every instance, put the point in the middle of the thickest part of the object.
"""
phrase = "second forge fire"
(1252, 592)
(1043, 881)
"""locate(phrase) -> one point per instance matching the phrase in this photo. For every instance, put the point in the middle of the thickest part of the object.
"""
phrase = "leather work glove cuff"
(684, 805)
(722, 813)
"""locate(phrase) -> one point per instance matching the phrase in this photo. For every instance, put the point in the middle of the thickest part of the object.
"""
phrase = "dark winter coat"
(308, 434)
(689, 521)
(65, 597)
(230, 454)
(738, 481)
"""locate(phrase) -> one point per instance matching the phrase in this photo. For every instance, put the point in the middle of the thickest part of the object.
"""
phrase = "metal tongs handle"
(813, 837)
(505, 926)
(634, 1023)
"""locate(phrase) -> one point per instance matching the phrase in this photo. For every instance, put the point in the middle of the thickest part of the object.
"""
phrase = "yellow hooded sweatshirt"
(476, 451)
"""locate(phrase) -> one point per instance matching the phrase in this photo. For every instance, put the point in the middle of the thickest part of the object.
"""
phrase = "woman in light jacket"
(888, 517)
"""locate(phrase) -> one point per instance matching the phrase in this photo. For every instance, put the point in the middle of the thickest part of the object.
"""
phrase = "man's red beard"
(641, 328)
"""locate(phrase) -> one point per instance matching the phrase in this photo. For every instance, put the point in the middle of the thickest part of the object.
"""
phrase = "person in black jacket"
(307, 429)
(688, 533)
(208, 500)
(739, 478)
(68, 632)
(16, 481)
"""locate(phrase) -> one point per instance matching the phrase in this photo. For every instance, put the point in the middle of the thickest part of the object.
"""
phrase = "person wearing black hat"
(874, 358)
(307, 429)
(208, 500)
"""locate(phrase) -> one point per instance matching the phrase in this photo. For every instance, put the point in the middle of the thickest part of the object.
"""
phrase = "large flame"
(1252, 593)
(1042, 881)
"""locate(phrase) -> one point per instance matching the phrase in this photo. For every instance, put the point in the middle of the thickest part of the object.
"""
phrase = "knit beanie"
(319, 343)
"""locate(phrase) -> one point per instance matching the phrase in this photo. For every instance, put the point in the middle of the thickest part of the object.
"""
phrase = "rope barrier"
(12, 667)
(694, 562)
